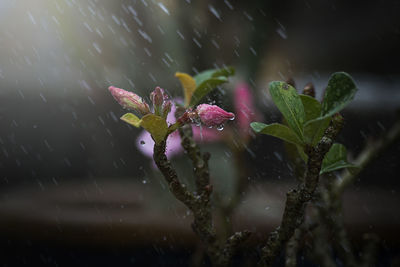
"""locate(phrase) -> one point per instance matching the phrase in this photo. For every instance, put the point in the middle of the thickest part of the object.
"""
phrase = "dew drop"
(142, 142)
(220, 127)
(233, 117)
(144, 182)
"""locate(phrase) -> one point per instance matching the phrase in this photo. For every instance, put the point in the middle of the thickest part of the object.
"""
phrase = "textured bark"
(297, 199)
(292, 248)
(178, 189)
(198, 202)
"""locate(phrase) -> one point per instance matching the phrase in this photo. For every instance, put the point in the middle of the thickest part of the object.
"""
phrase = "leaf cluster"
(306, 118)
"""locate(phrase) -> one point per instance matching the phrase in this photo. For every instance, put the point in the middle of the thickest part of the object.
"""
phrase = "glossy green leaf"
(156, 126)
(277, 130)
(335, 159)
(207, 80)
(289, 104)
(132, 119)
(339, 92)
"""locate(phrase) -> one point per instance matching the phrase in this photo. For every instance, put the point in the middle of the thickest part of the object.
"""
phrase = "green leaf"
(314, 130)
(289, 103)
(132, 119)
(208, 74)
(335, 159)
(339, 92)
(207, 80)
(312, 107)
(277, 130)
(156, 126)
(205, 88)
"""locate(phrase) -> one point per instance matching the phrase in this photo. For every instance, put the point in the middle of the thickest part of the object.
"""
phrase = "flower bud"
(166, 108)
(129, 100)
(212, 115)
(157, 97)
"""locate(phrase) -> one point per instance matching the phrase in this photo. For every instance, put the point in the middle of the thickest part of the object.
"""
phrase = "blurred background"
(74, 185)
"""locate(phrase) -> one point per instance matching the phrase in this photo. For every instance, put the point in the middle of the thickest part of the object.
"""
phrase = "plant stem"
(296, 199)
(292, 248)
(199, 201)
(178, 189)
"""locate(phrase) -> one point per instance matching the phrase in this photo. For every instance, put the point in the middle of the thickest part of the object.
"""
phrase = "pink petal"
(206, 135)
(145, 144)
(244, 107)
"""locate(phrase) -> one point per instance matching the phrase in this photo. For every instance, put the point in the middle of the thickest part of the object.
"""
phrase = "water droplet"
(142, 142)
(144, 182)
(231, 119)
(220, 127)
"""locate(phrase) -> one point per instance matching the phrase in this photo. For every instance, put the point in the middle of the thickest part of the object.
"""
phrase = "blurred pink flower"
(145, 143)
(245, 109)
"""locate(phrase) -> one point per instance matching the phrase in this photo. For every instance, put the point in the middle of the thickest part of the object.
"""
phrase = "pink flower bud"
(129, 100)
(212, 115)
